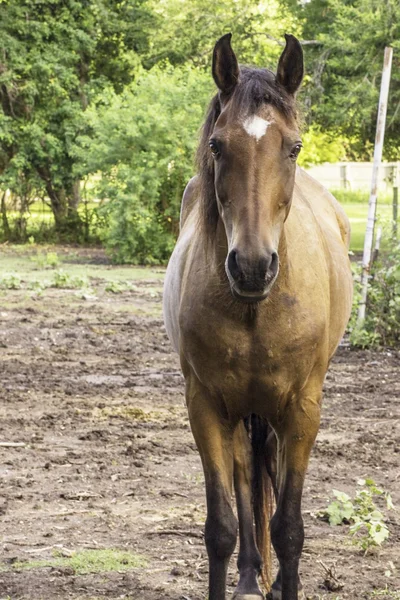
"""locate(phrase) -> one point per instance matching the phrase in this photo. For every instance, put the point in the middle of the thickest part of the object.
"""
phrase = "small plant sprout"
(385, 594)
(50, 259)
(116, 287)
(10, 281)
(63, 280)
(366, 520)
(340, 510)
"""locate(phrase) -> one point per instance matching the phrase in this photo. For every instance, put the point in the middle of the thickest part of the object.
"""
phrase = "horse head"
(248, 156)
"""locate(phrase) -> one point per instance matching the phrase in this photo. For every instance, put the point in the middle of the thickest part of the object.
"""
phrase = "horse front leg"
(296, 435)
(213, 434)
(249, 560)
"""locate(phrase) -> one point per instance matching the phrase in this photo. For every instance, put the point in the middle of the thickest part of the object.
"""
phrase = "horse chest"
(244, 367)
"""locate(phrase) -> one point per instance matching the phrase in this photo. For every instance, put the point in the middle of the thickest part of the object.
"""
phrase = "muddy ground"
(93, 393)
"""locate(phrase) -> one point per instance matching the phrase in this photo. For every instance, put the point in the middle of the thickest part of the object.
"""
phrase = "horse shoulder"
(177, 263)
(188, 200)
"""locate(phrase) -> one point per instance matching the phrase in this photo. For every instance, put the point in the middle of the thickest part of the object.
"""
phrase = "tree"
(143, 142)
(55, 57)
(187, 31)
(346, 67)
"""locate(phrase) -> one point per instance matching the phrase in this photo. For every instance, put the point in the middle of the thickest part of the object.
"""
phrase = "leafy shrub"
(135, 234)
(116, 287)
(38, 286)
(10, 282)
(63, 280)
(321, 146)
(381, 326)
(50, 259)
(143, 146)
(367, 522)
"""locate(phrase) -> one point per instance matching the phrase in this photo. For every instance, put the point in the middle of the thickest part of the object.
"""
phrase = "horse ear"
(291, 66)
(225, 67)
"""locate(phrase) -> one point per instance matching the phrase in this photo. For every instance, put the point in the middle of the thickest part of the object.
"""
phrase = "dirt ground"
(92, 392)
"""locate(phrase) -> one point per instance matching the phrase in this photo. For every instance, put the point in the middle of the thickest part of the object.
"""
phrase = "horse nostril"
(233, 264)
(273, 267)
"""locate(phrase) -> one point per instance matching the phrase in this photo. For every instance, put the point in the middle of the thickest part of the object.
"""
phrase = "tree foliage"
(381, 326)
(55, 56)
(142, 142)
(188, 30)
(346, 67)
(114, 92)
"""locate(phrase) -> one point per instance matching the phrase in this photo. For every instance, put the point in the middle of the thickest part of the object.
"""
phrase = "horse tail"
(263, 497)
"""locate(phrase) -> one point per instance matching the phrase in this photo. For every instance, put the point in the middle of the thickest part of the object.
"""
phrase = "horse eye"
(214, 148)
(295, 151)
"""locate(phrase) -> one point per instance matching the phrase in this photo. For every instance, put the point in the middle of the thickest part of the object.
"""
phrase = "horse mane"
(255, 86)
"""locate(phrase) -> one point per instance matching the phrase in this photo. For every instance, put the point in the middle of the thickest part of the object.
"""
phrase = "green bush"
(134, 233)
(143, 145)
(321, 146)
(63, 280)
(381, 326)
(50, 260)
(10, 281)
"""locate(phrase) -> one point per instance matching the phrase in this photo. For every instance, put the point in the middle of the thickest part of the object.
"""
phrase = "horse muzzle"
(251, 280)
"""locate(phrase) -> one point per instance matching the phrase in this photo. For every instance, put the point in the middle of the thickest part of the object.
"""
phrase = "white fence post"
(379, 137)
(396, 183)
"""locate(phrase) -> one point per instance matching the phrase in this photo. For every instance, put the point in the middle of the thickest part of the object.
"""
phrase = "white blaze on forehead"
(256, 126)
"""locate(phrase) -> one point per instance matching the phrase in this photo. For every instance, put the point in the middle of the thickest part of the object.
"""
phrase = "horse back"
(324, 205)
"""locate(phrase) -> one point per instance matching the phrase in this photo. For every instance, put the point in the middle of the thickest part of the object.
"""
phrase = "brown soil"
(94, 391)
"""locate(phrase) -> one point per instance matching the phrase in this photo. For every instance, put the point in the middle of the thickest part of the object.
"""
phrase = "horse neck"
(283, 257)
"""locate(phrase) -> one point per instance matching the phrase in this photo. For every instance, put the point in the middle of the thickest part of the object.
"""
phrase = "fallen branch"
(12, 445)
(331, 581)
(79, 496)
(179, 532)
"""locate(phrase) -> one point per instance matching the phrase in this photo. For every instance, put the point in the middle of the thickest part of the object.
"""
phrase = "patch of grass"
(90, 561)
(358, 196)
(126, 412)
(38, 286)
(357, 214)
(21, 259)
(146, 310)
(385, 594)
(127, 273)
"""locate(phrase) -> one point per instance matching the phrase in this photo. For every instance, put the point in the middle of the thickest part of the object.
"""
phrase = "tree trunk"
(64, 204)
(65, 210)
(75, 197)
(58, 205)
(4, 218)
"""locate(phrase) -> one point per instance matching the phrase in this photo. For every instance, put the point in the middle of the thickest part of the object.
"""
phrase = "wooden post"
(395, 199)
(343, 176)
(379, 137)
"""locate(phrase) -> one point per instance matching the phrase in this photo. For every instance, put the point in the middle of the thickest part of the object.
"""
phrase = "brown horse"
(258, 292)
